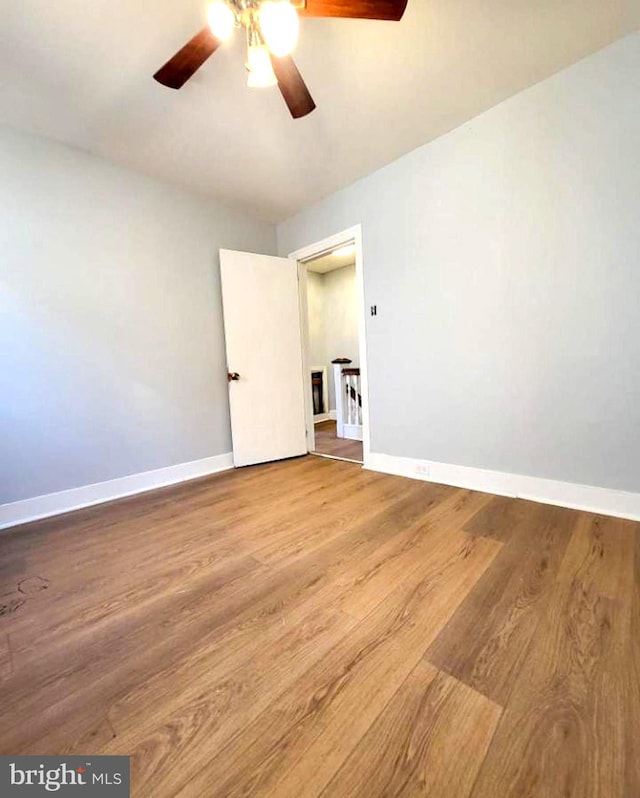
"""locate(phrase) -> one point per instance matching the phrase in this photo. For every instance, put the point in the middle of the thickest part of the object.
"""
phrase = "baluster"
(345, 403)
(352, 389)
(347, 409)
(337, 384)
(347, 415)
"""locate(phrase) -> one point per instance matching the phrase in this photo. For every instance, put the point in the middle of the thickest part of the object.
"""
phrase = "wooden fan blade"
(292, 87)
(357, 9)
(177, 71)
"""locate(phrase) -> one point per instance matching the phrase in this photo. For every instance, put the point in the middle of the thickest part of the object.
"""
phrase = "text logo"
(68, 776)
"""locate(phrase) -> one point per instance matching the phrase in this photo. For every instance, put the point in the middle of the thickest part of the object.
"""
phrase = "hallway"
(329, 444)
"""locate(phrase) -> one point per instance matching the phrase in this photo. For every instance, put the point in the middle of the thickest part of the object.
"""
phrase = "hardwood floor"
(307, 628)
(328, 443)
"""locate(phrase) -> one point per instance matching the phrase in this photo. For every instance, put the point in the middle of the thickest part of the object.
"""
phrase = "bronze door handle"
(232, 376)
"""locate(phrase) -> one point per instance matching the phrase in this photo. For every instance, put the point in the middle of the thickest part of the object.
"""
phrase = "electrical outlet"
(422, 469)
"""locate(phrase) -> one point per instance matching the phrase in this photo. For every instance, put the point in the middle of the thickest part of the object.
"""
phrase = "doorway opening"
(332, 322)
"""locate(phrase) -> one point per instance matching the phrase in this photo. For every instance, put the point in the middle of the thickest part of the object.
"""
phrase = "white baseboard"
(67, 500)
(604, 501)
(330, 416)
(352, 431)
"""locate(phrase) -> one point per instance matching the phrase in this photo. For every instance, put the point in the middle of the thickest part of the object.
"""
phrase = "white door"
(264, 356)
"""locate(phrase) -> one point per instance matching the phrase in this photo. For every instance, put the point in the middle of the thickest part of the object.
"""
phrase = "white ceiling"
(80, 72)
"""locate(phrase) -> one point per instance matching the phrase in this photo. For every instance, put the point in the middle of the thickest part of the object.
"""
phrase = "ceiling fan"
(271, 28)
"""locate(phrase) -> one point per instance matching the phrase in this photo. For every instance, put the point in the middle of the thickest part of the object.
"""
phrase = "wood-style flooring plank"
(258, 631)
(242, 609)
(172, 558)
(485, 643)
(632, 691)
(399, 514)
(339, 513)
(293, 747)
(215, 702)
(501, 518)
(352, 573)
(143, 523)
(181, 523)
(429, 740)
(6, 659)
(328, 443)
(49, 690)
(396, 560)
(564, 730)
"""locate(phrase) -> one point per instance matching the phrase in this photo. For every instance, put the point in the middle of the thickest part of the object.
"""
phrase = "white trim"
(313, 250)
(333, 415)
(352, 432)
(336, 457)
(339, 396)
(605, 501)
(67, 500)
(303, 307)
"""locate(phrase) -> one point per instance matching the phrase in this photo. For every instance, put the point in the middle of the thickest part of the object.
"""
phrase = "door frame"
(301, 256)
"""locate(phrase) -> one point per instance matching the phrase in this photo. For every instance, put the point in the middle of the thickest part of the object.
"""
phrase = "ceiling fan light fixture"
(261, 72)
(221, 20)
(272, 30)
(279, 25)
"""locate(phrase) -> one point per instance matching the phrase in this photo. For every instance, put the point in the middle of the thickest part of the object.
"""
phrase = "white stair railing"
(348, 399)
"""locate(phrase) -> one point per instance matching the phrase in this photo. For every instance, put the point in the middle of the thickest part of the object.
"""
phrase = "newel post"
(338, 364)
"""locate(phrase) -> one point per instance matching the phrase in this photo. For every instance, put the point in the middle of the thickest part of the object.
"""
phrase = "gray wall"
(316, 319)
(111, 341)
(333, 320)
(504, 261)
(341, 325)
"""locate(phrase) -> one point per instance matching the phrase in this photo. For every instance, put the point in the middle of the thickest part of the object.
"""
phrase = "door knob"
(232, 376)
